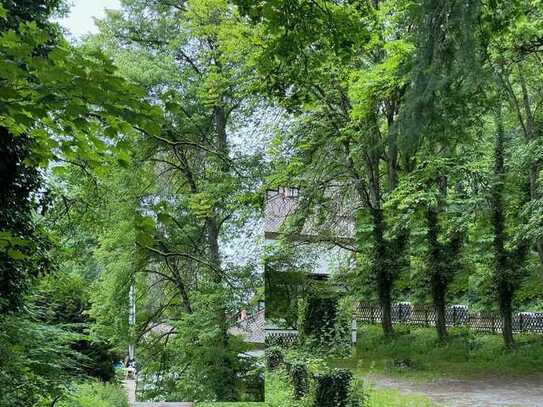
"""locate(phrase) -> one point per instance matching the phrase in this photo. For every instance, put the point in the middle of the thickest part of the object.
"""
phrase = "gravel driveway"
(488, 392)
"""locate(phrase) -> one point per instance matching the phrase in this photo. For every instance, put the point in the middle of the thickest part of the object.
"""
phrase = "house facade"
(320, 248)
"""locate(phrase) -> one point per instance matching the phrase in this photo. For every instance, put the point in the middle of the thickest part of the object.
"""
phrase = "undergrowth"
(415, 352)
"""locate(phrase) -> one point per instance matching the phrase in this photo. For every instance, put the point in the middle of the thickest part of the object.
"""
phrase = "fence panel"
(456, 315)
(281, 338)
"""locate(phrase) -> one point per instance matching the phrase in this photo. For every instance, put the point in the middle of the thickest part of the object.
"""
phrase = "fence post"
(520, 321)
(426, 315)
(493, 323)
(372, 316)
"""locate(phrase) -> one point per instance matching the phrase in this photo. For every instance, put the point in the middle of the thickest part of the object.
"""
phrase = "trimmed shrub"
(333, 388)
(299, 378)
(274, 357)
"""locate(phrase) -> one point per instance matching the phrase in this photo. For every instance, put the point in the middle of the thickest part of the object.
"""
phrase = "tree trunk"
(438, 277)
(504, 286)
(225, 380)
(506, 311)
(392, 151)
(385, 299)
(439, 293)
(384, 280)
(226, 383)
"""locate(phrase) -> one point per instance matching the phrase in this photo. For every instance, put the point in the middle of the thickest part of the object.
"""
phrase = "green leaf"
(16, 254)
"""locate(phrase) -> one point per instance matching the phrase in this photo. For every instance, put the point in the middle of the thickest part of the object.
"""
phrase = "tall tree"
(515, 52)
(19, 182)
(513, 198)
(345, 86)
(45, 115)
(508, 263)
(440, 109)
(58, 105)
(194, 60)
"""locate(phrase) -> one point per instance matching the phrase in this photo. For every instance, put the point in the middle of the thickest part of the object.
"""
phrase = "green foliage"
(278, 394)
(293, 47)
(58, 104)
(333, 388)
(396, 132)
(46, 98)
(64, 300)
(325, 324)
(319, 316)
(195, 350)
(274, 357)
(299, 378)
(37, 360)
(394, 398)
(23, 244)
(95, 394)
(195, 63)
(286, 281)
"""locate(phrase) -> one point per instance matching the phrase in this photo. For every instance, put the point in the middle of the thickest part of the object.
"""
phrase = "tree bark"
(225, 388)
(501, 266)
(226, 385)
(384, 278)
(506, 311)
(438, 275)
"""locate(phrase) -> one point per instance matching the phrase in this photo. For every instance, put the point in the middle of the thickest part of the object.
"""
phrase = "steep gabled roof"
(251, 328)
(283, 202)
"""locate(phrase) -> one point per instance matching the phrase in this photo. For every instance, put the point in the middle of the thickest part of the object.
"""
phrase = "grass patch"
(416, 353)
(393, 398)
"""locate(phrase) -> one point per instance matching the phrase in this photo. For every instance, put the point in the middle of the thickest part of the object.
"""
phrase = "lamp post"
(131, 322)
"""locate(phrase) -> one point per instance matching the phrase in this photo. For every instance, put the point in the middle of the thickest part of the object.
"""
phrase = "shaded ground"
(488, 392)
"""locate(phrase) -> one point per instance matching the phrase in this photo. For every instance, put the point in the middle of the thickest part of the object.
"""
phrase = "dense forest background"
(140, 156)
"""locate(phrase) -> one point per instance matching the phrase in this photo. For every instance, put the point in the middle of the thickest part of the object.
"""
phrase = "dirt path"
(130, 387)
(489, 392)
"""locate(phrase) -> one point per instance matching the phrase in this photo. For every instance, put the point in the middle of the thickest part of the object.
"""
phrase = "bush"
(325, 325)
(96, 394)
(278, 392)
(319, 316)
(299, 378)
(359, 396)
(333, 388)
(252, 386)
(274, 357)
